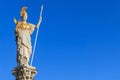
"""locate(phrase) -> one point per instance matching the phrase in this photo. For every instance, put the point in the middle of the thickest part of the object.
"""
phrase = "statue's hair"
(23, 11)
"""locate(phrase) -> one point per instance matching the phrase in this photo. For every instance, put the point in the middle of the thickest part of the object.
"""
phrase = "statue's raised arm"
(40, 19)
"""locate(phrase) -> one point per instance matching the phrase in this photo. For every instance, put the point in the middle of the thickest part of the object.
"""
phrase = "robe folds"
(23, 33)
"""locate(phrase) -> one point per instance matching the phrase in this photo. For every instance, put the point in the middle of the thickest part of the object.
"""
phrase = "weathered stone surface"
(24, 72)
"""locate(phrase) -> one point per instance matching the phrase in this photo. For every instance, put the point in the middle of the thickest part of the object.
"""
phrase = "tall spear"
(33, 52)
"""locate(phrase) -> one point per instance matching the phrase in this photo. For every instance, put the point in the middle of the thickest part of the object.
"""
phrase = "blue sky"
(78, 39)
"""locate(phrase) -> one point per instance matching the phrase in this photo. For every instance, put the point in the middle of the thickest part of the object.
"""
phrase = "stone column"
(24, 72)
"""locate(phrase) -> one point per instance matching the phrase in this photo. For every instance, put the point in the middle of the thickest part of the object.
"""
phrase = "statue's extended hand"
(40, 20)
(15, 21)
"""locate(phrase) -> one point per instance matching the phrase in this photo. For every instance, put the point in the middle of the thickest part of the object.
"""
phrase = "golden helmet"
(23, 11)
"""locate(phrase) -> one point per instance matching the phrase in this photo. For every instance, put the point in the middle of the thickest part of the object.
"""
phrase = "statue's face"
(24, 18)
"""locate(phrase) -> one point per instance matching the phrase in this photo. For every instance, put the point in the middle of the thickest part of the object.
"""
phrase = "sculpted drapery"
(23, 39)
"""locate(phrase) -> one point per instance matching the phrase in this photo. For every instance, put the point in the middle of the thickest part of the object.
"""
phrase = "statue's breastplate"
(23, 26)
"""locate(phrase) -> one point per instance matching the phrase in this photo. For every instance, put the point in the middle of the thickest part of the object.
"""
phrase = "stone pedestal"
(24, 72)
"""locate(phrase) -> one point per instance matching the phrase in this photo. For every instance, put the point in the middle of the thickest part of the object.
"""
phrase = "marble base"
(24, 72)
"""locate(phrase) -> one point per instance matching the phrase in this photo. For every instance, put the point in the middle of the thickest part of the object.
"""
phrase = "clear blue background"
(78, 39)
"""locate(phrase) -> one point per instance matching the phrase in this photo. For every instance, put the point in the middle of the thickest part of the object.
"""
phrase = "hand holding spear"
(40, 19)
